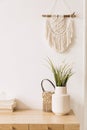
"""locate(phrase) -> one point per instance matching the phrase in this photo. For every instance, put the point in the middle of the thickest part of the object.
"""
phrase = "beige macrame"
(59, 32)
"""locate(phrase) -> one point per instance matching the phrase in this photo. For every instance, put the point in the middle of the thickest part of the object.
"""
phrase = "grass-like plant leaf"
(61, 74)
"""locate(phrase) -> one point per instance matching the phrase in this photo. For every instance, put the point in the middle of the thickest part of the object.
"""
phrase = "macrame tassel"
(69, 32)
(50, 39)
(63, 45)
(47, 29)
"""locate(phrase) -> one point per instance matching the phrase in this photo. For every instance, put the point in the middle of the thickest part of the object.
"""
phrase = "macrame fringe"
(59, 32)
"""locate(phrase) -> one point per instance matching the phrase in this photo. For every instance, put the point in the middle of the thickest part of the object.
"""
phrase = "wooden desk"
(37, 120)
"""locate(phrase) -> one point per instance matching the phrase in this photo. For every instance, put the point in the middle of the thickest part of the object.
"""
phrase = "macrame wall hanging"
(59, 31)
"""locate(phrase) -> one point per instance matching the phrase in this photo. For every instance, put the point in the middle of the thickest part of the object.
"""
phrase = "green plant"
(61, 73)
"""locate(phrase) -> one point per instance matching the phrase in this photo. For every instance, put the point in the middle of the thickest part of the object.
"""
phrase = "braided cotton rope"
(59, 32)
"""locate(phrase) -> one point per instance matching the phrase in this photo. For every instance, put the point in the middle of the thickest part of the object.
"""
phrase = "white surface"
(23, 50)
(60, 90)
(61, 101)
(85, 69)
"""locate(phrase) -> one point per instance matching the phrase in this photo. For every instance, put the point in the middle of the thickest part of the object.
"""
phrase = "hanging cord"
(65, 3)
(67, 6)
(53, 6)
(54, 15)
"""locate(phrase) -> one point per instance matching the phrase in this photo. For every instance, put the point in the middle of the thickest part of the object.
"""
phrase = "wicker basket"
(47, 101)
(47, 98)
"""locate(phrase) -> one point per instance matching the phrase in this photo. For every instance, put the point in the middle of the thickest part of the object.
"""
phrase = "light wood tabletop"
(36, 117)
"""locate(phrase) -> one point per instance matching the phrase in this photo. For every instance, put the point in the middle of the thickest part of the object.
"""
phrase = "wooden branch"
(67, 15)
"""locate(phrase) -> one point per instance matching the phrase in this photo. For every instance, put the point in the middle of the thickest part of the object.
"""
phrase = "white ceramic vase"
(61, 101)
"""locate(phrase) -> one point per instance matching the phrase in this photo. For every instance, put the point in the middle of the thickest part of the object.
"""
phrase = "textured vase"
(61, 101)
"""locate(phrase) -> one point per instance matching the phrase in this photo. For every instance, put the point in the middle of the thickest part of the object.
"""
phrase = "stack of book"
(7, 105)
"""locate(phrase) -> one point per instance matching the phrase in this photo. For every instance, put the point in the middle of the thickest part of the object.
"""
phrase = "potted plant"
(61, 100)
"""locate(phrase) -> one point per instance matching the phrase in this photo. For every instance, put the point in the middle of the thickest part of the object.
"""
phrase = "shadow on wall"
(21, 105)
(78, 109)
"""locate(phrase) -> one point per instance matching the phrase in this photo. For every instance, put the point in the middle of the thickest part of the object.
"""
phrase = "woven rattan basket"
(47, 101)
(47, 97)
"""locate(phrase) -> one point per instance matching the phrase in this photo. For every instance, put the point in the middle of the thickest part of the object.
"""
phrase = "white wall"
(23, 50)
(85, 84)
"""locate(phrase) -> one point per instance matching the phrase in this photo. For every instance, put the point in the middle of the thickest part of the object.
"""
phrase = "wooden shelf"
(38, 120)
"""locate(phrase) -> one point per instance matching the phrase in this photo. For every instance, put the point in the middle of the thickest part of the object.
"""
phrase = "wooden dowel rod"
(49, 15)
